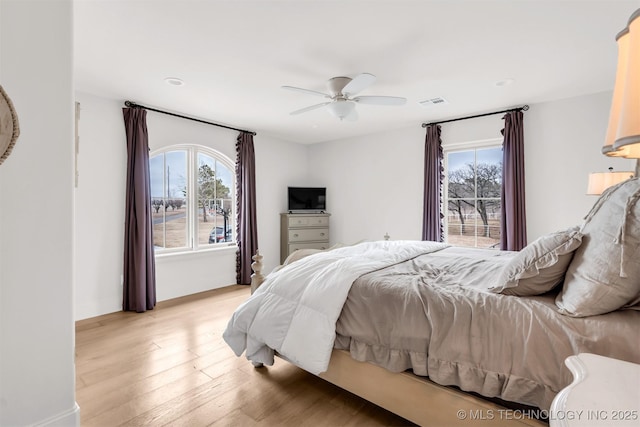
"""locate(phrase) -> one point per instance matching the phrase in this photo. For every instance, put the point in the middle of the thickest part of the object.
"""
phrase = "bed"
(430, 331)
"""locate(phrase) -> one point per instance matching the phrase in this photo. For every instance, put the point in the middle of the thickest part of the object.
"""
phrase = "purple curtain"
(139, 286)
(247, 227)
(513, 236)
(433, 176)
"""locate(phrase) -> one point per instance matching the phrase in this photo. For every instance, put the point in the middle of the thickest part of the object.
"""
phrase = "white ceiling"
(234, 56)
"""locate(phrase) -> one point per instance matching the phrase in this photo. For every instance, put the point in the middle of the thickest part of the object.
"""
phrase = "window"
(473, 187)
(192, 198)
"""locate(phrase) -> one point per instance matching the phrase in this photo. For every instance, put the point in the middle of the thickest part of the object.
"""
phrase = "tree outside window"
(215, 201)
(472, 197)
(192, 198)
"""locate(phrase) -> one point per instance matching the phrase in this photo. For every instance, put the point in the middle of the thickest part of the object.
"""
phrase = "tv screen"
(307, 198)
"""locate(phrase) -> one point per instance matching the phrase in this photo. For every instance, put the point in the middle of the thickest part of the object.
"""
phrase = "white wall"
(374, 183)
(279, 164)
(563, 145)
(37, 378)
(100, 199)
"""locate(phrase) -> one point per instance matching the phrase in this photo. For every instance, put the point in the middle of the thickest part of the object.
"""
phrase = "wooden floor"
(170, 366)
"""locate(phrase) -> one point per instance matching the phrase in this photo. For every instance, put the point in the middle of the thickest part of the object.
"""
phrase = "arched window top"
(223, 158)
(192, 197)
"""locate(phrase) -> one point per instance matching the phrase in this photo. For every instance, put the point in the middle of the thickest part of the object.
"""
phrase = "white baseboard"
(69, 418)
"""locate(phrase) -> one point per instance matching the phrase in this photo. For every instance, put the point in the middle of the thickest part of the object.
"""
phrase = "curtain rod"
(523, 108)
(134, 105)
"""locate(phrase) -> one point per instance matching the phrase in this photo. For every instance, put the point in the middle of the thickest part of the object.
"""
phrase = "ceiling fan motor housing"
(336, 84)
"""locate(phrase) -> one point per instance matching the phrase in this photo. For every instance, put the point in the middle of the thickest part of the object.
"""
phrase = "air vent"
(433, 101)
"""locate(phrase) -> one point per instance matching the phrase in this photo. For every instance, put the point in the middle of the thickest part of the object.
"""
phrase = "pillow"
(604, 274)
(302, 253)
(541, 265)
(299, 254)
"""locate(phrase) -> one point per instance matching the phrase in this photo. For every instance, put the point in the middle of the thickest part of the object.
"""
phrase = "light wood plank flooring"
(170, 366)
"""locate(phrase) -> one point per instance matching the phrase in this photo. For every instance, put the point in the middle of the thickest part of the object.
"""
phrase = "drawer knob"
(295, 235)
(322, 234)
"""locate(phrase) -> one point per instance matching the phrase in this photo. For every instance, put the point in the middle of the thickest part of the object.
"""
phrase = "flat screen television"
(307, 198)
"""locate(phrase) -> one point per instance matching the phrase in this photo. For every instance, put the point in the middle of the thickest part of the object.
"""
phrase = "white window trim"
(480, 143)
(461, 146)
(192, 151)
(218, 247)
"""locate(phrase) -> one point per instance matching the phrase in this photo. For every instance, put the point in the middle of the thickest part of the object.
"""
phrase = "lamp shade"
(341, 108)
(623, 132)
(600, 181)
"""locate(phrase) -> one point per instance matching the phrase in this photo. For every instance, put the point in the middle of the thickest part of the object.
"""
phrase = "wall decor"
(9, 127)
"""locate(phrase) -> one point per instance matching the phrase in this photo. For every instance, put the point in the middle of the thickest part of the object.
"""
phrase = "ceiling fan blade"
(305, 109)
(380, 100)
(307, 91)
(358, 83)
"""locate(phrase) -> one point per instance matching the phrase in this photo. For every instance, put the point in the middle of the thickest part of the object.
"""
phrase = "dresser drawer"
(309, 221)
(307, 234)
(303, 231)
(318, 245)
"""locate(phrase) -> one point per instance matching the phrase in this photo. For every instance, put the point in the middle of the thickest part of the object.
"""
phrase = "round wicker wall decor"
(9, 127)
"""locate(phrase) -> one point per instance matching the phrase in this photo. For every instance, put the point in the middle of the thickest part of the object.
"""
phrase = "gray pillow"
(604, 274)
(299, 254)
(541, 265)
(302, 253)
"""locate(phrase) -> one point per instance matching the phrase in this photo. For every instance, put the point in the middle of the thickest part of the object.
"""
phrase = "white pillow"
(541, 265)
(604, 274)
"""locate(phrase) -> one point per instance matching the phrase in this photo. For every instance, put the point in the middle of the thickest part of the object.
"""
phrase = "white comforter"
(295, 310)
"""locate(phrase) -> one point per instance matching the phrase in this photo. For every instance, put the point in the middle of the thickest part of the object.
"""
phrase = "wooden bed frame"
(410, 396)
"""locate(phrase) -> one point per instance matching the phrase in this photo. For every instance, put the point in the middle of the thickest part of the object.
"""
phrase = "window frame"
(192, 151)
(456, 147)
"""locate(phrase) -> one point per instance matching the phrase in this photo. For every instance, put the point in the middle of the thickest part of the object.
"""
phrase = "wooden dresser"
(303, 231)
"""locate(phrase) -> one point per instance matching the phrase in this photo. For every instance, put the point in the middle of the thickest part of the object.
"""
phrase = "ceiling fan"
(341, 95)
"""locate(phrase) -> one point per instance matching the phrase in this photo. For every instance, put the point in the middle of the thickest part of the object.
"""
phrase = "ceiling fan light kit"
(341, 90)
(342, 108)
